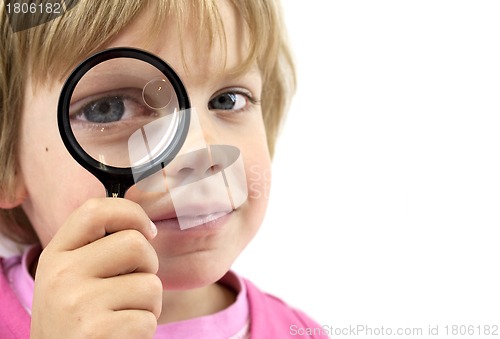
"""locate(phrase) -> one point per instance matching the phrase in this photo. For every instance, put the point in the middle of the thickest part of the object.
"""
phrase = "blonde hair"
(49, 51)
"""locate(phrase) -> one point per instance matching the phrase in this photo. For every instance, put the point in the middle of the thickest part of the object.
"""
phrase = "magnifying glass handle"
(116, 190)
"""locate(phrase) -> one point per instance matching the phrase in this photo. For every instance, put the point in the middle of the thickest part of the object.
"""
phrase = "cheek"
(55, 184)
(259, 182)
(54, 194)
(258, 174)
(258, 170)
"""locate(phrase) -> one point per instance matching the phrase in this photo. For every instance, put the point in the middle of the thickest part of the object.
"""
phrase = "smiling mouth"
(187, 222)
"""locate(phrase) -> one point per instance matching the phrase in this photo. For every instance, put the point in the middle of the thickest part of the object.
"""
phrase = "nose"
(194, 161)
(191, 166)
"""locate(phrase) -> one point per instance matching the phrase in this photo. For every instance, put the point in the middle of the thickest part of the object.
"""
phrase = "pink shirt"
(232, 322)
(20, 280)
(254, 314)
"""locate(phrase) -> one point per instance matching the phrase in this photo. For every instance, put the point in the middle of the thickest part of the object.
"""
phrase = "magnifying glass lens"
(124, 112)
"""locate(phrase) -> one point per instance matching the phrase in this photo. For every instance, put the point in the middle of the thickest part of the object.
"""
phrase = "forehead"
(188, 47)
(188, 35)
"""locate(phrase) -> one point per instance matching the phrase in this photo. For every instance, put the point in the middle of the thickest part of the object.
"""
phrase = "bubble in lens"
(157, 93)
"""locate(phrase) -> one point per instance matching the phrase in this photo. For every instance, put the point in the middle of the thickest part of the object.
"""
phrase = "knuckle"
(61, 274)
(53, 273)
(73, 302)
(154, 284)
(73, 305)
(150, 324)
(157, 290)
(133, 241)
(92, 206)
(152, 288)
(87, 212)
(150, 257)
(155, 262)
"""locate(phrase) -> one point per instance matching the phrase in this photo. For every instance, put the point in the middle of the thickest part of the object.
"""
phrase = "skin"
(86, 283)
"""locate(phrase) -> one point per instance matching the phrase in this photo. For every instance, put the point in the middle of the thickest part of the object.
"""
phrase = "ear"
(16, 198)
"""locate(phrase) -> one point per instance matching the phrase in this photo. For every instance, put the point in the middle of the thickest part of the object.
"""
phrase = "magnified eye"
(104, 110)
(228, 101)
(124, 105)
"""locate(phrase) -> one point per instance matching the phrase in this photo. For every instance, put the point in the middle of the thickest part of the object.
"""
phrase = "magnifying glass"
(123, 115)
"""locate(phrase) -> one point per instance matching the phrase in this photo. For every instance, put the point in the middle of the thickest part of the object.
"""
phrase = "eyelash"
(250, 100)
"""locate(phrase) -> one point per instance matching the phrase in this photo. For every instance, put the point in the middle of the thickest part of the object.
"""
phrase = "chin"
(192, 271)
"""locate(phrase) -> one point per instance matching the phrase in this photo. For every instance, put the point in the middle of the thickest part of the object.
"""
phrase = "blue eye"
(104, 110)
(123, 105)
(229, 101)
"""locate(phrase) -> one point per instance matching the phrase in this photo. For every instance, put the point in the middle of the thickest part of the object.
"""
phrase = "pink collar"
(20, 280)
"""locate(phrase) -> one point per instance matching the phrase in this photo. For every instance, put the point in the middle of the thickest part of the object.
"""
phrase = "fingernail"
(154, 229)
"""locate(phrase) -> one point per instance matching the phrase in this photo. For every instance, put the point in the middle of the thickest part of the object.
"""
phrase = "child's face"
(55, 184)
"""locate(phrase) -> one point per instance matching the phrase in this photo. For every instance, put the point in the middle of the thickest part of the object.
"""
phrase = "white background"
(386, 186)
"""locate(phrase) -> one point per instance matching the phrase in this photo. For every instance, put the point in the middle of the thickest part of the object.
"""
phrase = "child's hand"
(92, 285)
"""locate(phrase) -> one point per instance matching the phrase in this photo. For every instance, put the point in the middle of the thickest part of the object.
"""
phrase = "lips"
(186, 222)
(192, 216)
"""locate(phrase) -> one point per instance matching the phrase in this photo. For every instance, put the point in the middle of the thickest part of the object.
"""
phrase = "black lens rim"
(122, 177)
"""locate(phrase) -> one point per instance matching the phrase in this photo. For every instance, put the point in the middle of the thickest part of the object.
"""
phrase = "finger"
(98, 217)
(136, 291)
(119, 253)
